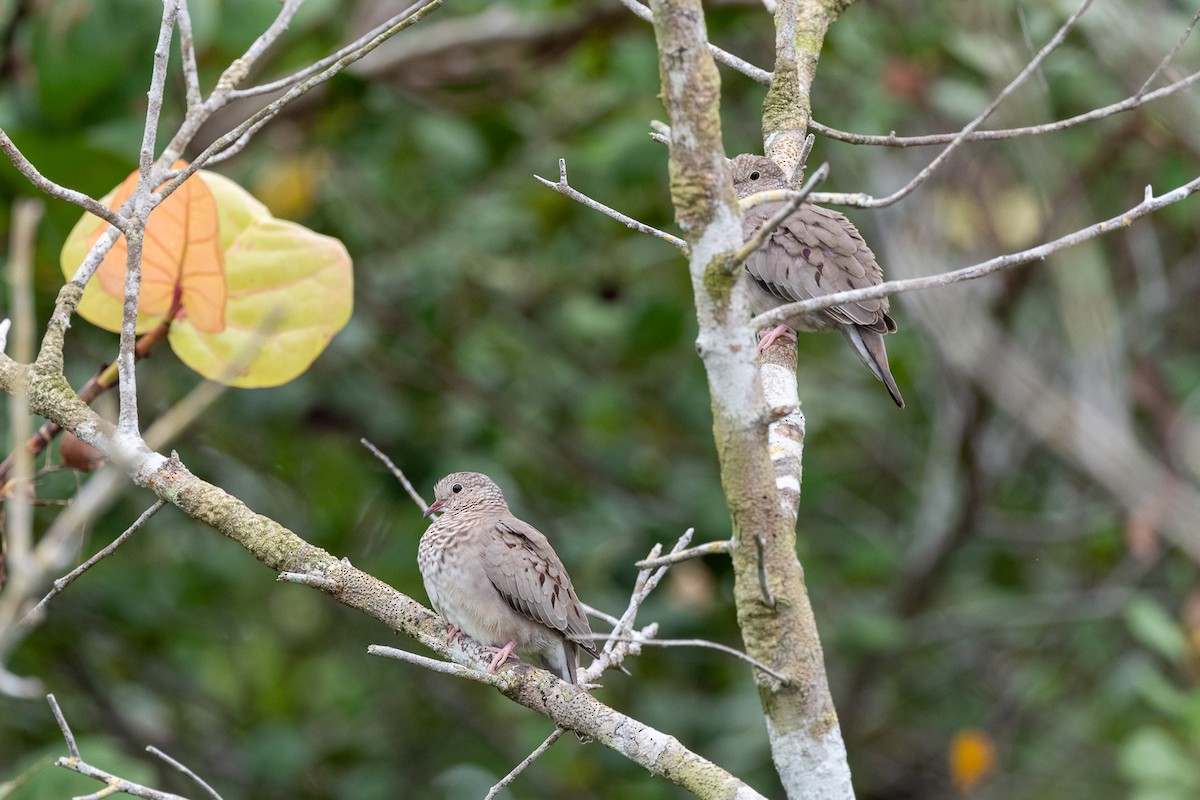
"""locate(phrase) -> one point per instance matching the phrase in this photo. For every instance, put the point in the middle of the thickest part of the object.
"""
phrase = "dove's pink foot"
(503, 654)
(455, 633)
(782, 331)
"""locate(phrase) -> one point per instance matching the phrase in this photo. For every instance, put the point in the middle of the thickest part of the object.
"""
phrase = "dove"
(498, 580)
(815, 251)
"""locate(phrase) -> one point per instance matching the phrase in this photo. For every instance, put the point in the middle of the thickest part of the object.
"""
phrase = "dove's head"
(755, 174)
(463, 490)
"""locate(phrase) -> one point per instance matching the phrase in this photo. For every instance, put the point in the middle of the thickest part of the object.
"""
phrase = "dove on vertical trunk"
(814, 252)
(498, 580)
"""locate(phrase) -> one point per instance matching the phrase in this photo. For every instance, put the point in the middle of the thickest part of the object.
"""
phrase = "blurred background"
(1002, 609)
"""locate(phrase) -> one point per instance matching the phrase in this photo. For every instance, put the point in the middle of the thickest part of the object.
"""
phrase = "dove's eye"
(755, 175)
(456, 488)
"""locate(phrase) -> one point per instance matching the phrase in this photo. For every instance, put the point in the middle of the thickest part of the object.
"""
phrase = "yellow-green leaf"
(182, 261)
(289, 290)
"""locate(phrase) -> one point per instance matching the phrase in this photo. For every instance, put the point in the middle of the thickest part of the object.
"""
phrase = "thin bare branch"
(779, 676)
(770, 226)
(272, 109)
(187, 52)
(645, 583)
(764, 585)
(309, 579)
(237, 71)
(183, 769)
(1170, 56)
(722, 546)
(69, 737)
(444, 667)
(519, 768)
(892, 140)
(756, 74)
(399, 475)
(62, 583)
(1027, 37)
(53, 189)
(312, 69)
(1149, 205)
(565, 188)
(862, 200)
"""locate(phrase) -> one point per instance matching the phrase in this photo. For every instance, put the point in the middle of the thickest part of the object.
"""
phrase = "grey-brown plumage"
(814, 252)
(498, 580)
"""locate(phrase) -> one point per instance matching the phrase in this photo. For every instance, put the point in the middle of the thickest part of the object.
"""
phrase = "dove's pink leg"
(455, 633)
(503, 654)
(771, 337)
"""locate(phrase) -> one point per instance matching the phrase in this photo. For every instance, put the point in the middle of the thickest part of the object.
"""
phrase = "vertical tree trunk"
(774, 613)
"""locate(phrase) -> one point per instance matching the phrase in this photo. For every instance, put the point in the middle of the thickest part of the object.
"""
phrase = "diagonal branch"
(862, 200)
(1148, 206)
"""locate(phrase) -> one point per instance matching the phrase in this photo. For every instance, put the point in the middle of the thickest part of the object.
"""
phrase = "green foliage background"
(502, 328)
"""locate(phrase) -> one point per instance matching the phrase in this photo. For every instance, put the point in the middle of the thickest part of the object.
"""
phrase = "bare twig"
(62, 583)
(237, 71)
(770, 226)
(187, 52)
(779, 676)
(645, 583)
(53, 189)
(721, 546)
(862, 200)
(892, 140)
(1028, 38)
(254, 121)
(399, 475)
(309, 579)
(69, 737)
(312, 69)
(444, 667)
(1169, 56)
(756, 74)
(1147, 206)
(519, 768)
(183, 769)
(565, 188)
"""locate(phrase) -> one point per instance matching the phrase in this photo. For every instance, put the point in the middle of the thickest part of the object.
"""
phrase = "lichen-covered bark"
(283, 551)
(777, 623)
(800, 28)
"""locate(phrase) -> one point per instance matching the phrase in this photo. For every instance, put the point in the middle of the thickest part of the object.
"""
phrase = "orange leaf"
(972, 757)
(181, 256)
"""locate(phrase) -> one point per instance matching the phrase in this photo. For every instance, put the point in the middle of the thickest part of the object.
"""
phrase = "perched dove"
(814, 252)
(497, 579)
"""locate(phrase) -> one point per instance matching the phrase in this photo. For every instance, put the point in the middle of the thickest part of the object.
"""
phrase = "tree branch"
(565, 188)
(1147, 206)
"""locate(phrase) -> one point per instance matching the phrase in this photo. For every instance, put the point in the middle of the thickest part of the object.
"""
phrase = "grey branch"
(710, 548)
(312, 69)
(1147, 206)
(866, 201)
(62, 583)
(75, 763)
(51, 188)
(1170, 56)
(398, 474)
(211, 792)
(565, 188)
(892, 140)
(794, 200)
(779, 676)
(756, 74)
(529, 759)
(444, 667)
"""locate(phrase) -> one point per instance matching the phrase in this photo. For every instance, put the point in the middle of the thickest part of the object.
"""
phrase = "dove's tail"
(870, 348)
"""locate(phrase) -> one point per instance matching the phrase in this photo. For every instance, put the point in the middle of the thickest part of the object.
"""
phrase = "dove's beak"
(433, 509)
